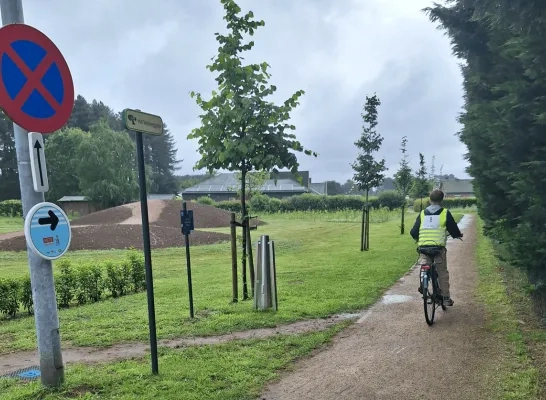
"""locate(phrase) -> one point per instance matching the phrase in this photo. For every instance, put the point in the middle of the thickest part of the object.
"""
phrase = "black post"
(188, 263)
(147, 250)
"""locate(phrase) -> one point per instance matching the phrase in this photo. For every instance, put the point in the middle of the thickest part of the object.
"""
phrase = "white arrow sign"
(38, 162)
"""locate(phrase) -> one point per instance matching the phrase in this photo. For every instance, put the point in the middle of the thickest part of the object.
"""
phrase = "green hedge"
(447, 203)
(304, 202)
(78, 284)
(11, 208)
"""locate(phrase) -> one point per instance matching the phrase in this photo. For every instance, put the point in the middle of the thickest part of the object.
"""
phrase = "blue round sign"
(47, 230)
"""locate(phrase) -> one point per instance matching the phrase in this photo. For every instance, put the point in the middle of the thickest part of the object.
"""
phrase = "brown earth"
(121, 227)
(391, 353)
(106, 237)
(109, 216)
(204, 216)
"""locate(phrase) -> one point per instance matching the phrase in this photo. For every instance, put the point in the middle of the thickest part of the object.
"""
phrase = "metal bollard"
(265, 286)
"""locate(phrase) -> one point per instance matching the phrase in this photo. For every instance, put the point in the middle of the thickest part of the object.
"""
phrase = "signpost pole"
(147, 250)
(188, 262)
(41, 271)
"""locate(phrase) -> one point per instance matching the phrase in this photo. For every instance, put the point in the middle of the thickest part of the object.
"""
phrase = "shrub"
(9, 296)
(205, 200)
(447, 203)
(65, 283)
(232, 205)
(391, 199)
(90, 285)
(11, 208)
(118, 278)
(78, 283)
(26, 295)
(138, 272)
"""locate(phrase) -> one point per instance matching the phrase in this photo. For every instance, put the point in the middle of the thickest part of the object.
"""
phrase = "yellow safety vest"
(432, 231)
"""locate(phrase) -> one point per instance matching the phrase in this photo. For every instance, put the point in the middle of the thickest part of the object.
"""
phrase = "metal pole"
(147, 250)
(41, 271)
(188, 265)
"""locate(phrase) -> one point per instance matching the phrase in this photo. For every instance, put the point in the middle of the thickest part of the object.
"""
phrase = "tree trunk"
(245, 227)
(367, 229)
(402, 223)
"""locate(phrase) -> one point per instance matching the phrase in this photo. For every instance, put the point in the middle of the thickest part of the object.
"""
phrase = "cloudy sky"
(150, 55)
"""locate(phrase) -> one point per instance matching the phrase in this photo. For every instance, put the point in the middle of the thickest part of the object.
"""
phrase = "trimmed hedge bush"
(447, 203)
(78, 284)
(205, 200)
(304, 202)
(11, 208)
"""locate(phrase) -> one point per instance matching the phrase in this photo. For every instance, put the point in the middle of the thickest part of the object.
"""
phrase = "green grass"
(237, 370)
(519, 376)
(8, 224)
(321, 271)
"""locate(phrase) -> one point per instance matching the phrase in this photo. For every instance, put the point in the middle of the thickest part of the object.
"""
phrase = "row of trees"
(502, 47)
(93, 156)
(370, 173)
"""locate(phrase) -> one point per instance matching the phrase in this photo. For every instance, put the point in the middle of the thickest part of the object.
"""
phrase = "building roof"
(72, 198)
(458, 186)
(227, 183)
(68, 199)
(318, 188)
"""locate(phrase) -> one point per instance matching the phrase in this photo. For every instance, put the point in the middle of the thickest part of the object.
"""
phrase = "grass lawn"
(235, 371)
(8, 224)
(498, 290)
(321, 271)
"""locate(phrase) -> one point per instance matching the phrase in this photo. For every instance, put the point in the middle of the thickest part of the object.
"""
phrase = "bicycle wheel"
(436, 286)
(429, 303)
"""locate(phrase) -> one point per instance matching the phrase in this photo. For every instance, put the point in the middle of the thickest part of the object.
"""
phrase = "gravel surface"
(391, 353)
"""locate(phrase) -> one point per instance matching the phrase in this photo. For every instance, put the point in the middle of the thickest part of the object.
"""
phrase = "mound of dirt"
(203, 216)
(110, 216)
(106, 237)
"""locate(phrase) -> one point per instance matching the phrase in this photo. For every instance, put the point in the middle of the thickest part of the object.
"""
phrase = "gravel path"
(391, 353)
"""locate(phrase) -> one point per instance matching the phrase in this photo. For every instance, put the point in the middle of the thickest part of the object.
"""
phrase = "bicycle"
(429, 275)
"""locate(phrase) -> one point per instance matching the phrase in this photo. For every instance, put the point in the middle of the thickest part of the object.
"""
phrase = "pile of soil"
(109, 216)
(203, 216)
(120, 227)
(106, 237)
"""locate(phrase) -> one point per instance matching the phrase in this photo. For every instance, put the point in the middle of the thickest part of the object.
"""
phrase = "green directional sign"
(138, 121)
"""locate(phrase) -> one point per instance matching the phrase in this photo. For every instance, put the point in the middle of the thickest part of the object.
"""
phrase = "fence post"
(234, 289)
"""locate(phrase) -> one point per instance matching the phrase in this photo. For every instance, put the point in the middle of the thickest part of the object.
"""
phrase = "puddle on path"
(395, 299)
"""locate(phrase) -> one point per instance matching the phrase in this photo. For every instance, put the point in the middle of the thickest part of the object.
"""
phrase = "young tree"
(241, 129)
(253, 185)
(403, 179)
(369, 173)
(421, 184)
(432, 172)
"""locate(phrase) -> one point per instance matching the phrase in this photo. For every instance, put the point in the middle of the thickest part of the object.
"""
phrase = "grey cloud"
(132, 53)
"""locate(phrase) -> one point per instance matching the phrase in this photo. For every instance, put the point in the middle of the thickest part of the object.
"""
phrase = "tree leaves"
(239, 124)
(368, 172)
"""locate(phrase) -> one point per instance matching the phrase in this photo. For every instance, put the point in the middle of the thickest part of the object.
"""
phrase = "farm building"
(455, 188)
(81, 206)
(224, 186)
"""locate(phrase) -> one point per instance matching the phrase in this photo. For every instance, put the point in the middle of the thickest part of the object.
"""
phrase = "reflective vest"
(432, 231)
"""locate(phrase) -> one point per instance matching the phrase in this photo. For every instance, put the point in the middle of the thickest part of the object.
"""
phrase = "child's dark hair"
(437, 196)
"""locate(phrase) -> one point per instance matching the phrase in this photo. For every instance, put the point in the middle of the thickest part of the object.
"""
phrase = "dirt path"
(154, 211)
(391, 353)
(14, 361)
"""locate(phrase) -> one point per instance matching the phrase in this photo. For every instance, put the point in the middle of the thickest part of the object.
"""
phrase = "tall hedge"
(11, 208)
(310, 202)
(77, 284)
(304, 202)
(447, 203)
